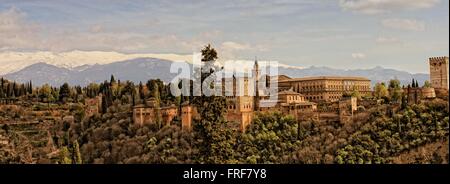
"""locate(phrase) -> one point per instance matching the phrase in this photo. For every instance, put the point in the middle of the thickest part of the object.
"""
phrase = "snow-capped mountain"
(143, 69)
(14, 61)
(140, 69)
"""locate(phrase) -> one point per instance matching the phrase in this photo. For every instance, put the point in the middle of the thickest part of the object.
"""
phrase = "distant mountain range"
(15, 61)
(142, 69)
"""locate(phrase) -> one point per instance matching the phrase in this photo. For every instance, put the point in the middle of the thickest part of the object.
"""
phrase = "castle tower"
(439, 72)
(256, 79)
(186, 117)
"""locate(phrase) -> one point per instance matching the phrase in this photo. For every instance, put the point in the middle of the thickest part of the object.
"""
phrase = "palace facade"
(326, 88)
(297, 97)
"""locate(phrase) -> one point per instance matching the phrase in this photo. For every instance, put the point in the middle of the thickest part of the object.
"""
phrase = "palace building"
(296, 96)
(326, 88)
(150, 113)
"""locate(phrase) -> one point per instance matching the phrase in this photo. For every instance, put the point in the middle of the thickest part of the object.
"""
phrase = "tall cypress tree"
(30, 88)
(112, 80)
(215, 140)
(2, 93)
(76, 155)
(141, 91)
(157, 97)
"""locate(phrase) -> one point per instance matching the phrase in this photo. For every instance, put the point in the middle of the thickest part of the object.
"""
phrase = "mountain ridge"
(15, 61)
(142, 69)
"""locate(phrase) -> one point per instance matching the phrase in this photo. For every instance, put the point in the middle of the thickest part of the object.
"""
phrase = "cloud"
(234, 46)
(127, 42)
(385, 6)
(96, 28)
(386, 40)
(231, 50)
(404, 24)
(358, 55)
(15, 31)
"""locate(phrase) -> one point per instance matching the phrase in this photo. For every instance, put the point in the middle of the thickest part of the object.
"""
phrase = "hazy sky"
(399, 34)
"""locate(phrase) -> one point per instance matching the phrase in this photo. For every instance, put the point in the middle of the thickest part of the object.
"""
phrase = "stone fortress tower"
(439, 72)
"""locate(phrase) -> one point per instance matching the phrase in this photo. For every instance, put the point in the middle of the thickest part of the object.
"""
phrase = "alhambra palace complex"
(320, 98)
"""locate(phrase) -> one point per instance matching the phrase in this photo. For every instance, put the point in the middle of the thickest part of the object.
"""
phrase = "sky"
(348, 34)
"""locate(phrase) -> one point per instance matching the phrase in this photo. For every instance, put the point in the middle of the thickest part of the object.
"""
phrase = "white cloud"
(404, 24)
(385, 6)
(386, 40)
(231, 50)
(358, 55)
(15, 31)
(18, 33)
(234, 46)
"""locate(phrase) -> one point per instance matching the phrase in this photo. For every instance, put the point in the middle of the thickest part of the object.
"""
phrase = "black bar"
(274, 173)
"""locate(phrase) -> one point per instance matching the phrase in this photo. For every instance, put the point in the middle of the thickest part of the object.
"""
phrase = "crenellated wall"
(439, 72)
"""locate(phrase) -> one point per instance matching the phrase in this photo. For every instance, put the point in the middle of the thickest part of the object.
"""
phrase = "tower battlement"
(443, 59)
(439, 72)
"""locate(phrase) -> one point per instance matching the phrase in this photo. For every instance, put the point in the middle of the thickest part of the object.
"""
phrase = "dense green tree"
(427, 84)
(381, 90)
(64, 92)
(269, 138)
(395, 91)
(384, 136)
(45, 93)
(64, 156)
(214, 140)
